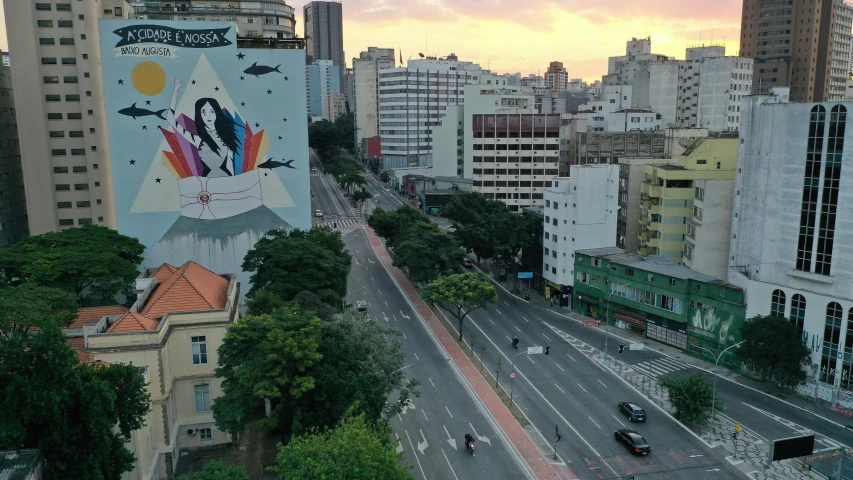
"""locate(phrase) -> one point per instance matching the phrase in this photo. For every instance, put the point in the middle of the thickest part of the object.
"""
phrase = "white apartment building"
(322, 78)
(580, 213)
(413, 99)
(612, 112)
(792, 232)
(577, 85)
(366, 89)
(622, 69)
(60, 105)
(557, 77)
(270, 18)
(335, 106)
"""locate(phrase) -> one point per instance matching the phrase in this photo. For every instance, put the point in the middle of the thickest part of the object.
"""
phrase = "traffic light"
(621, 348)
(547, 350)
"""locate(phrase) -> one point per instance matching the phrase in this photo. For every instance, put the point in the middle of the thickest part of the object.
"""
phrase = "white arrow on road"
(482, 439)
(404, 315)
(422, 445)
(399, 444)
(714, 470)
(694, 456)
(385, 317)
(369, 260)
(450, 439)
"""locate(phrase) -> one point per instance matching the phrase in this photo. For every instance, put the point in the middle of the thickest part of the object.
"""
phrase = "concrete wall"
(445, 156)
(712, 234)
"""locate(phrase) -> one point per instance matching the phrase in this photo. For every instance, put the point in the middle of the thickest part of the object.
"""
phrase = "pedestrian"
(552, 302)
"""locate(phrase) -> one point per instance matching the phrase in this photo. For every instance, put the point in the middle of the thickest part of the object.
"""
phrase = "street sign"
(636, 346)
(534, 350)
(591, 323)
(511, 375)
(525, 274)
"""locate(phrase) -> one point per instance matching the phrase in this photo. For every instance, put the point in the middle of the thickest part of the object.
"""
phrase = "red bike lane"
(537, 463)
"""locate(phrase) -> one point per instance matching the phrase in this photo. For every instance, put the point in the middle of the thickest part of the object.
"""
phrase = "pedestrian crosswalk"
(660, 366)
(340, 223)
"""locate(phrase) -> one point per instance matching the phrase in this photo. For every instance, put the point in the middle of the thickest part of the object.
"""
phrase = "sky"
(509, 36)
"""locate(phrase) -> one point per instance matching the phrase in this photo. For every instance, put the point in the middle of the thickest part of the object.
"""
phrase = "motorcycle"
(470, 447)
(515, 343)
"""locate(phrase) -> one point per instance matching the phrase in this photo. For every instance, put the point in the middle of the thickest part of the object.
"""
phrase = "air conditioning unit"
(192, 430)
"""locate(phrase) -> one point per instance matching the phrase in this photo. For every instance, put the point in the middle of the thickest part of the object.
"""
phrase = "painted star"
(242, 78)
(279, 137)
(216, 88)
(145, 127)
(265, 174)
(240, 56)
(242, 104)
(193, 82)
(147, 102)
(120, 81)
(257, 125)
(269, 92)
(157, 180)
(133, 162)
(284, 119)
(286, 79)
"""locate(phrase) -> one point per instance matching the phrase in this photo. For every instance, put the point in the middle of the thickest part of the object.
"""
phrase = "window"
(51, 79)
(54, 116)
(719, 165)
(75, 116)
(43, 6)
(81, 186)
(199, 348)
(48, 60)
(777, 303)
(63, 204)
(75, 133)
(79, 169)
(52, 98)
(84, 204)
(629, 272)
(84, 221)
(72, 98)
(697, 212)
(701, 162)
(117, 11)
(107, 11)
(47, 41)
(829, 198)
(65, 222)
(62, 187)
(60, 169)
(63, 7)
(78, 151)
(66, 41)
(671, 282)
(65, 23)
(204, 434)
(44, 23)
(831, 339)
(82, 36)
(69, 79)
(811, 188)
(798, 312)
(57, 134)
(202, 398)
(699, 193)
(596, 262)
(58, 152)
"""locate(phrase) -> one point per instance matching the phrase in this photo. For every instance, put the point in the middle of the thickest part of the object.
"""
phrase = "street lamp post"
(607, 323)
(511, 379)
(717, 364)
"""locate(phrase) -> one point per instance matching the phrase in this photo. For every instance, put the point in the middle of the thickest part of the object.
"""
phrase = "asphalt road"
(431, 430)
(327, 197)
(568, 390)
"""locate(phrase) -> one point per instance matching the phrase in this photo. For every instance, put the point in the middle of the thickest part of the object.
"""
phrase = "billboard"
(208, 141)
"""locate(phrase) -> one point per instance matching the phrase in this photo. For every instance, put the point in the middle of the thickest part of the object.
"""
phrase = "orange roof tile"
(79, 344)
(191, 288)
(95, 313)
(132, 322)
(163, 272)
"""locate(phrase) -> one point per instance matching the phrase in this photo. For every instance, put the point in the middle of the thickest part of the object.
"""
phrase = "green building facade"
(652, 296)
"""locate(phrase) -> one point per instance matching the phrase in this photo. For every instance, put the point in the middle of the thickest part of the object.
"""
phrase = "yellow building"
(172, 333)
(675, 204)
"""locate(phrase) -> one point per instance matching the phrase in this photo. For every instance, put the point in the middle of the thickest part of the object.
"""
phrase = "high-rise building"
(322, 78)
(60, 105)
(557, 77)
(13, 203)
(366, 90)
(349, 89)
(792, 235)
(413, 99)
(324, 33)
(275, 20)
(334, 107)
(805, 46)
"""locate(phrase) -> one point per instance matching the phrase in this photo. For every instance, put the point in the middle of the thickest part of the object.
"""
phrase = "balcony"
(654, 242)
(677, 193)
(654, 226)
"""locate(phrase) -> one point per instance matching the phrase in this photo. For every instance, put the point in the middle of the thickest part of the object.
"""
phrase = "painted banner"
(208, 141)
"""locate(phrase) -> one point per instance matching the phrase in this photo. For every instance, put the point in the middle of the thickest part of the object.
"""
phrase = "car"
(633, 441)
(318, 214)
(632, 411)
(313, 169)
(467, 264)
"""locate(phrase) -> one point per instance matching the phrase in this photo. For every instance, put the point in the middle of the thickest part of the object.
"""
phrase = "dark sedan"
(633, 441)
(467, 264)
(631, 410)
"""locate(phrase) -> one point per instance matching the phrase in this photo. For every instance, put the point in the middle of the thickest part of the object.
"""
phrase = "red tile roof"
(79, 344)
(190, 288)
(164, 272)
(95, 313)
(132, 322)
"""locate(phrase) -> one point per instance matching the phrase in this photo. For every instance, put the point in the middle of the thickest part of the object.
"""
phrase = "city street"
(432, 428)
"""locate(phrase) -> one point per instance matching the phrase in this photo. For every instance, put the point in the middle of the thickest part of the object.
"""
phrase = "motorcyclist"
(469, 440)
(515, 342)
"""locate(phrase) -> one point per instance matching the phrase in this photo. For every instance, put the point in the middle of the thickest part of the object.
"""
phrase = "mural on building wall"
(209, 143)
(710, 321)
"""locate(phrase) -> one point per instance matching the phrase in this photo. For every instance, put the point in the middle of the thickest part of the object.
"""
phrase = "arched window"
(798, 312)
(777, 303)
(831, 337)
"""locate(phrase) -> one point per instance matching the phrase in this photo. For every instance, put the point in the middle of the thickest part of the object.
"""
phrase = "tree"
(427, 251)
(31, 306)
(362, 363)
(773, 349)
(265, 358)
(94, 263)
(310, 302)
(263, 302)
(384, 176)
(360, 196)
(356, 448)
(461, 294)
(391, 224)
(216, 470)
(53, 402)
(288, 262)
(692, 398)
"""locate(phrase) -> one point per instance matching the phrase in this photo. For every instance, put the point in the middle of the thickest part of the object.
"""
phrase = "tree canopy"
(692, 398)
(355, 449)
(773, 349)
(216, 470)
(92, 262)
(29, 306)
(427, 252)
(289, 262)
(384, 176)
(461, 294)
(391, 224)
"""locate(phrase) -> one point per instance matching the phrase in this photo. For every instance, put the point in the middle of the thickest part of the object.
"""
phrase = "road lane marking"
(499, 312)
(481, 438)
(430, 382)
(526, 320)
(404, 336)
(448, 463)
(558, 388)
(493, 323)
(505, 303)
(416, 356)
(380, 291)
(450, 440)
(386, 304)
(558, 366)
(599, 381)
(620, 421)
(371, 278)
(415, 455)
(404, 315)
(593, 421)
(531, 360)
(546, 337)
(399, 443)
(422, 445)
(573, 359)
(448, 411)
(425, 415)
(519, 330)
(582, 388)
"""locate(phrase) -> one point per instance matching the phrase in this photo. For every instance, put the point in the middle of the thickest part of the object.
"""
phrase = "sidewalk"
(523, 445)
(810, 404)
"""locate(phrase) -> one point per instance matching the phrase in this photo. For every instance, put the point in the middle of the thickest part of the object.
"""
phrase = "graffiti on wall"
(208, 142)
(720, 325)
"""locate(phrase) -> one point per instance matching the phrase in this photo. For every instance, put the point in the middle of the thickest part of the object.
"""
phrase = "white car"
(318, 214)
